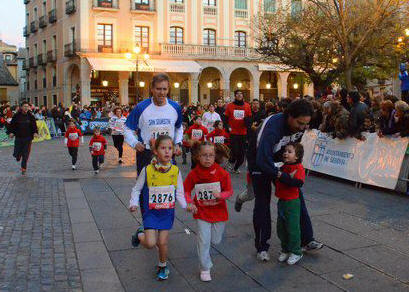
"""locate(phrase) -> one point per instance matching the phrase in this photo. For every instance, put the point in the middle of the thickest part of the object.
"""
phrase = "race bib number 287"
(162, 197)
(204, 193)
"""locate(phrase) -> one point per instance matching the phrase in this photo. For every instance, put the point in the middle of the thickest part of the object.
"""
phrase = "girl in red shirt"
(207, 187)
(97, 147)
(219, 134)
(196, 133)
(72, 140)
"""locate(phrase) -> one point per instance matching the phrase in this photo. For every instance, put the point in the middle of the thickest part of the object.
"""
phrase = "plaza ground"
(70, 231)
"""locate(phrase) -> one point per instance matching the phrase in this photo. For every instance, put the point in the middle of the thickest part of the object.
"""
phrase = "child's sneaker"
(120, 161)
(96, 171)
(163, 273)
(73, 167)
(283, 257)
(263, 256)
(313, 245)
(293, 258)
(135, 239)
(23, 171)
(205, 276)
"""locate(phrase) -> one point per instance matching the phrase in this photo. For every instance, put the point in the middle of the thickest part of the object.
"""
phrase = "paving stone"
(118, 238)
(92, 255)
(81, 216)
(85, 232)
(101, 280)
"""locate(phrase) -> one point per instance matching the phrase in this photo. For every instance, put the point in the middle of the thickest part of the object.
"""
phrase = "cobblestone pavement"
(365, 231)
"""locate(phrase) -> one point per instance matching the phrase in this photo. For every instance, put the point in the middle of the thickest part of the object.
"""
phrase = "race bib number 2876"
(162, 197)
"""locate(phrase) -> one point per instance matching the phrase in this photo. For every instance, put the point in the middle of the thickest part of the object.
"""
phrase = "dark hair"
(343, 93)
(25, 102)
(217, 123)
(162, 138)
(195, 118)
(96, 129)
(118, 108)
(355, 96)
(255, 99)
(159, 78)
(237, 91)
(221, 150)
(299, 108)
(299, 150)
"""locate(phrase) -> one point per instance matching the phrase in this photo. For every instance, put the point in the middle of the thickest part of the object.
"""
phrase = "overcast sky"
(12, 22)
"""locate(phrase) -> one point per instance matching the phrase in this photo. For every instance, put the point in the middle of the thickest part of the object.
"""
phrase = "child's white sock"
(162, 265)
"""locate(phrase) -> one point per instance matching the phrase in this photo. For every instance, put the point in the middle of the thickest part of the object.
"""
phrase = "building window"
(36, 101)
(209, 37)
(8, 57)
(45, 100)
(240, 4)
(270, 6)
(142, 2)
(209, 2)
(104, 38)
(35, 84)
(176, 35)
(54, 79)
(296, 7)
(240, 39)
(176, 1)
(142, 37)
(54, 99)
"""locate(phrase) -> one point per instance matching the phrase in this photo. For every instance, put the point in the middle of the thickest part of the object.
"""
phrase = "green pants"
(288, 226)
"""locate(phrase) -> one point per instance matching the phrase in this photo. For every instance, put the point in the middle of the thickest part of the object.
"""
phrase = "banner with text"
(376, 161)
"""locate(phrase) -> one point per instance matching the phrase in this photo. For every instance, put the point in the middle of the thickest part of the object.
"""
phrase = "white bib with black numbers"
(162, 197)
(156, 131)
(73, 136)
(197, 134)
(204, 193)
(238, 114)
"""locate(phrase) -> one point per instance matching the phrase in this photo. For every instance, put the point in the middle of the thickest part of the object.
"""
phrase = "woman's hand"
(191, 208)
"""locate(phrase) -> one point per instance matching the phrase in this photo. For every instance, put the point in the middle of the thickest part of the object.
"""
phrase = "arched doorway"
(295, 85)
(241, 78)
(210, 86)
(268, 86)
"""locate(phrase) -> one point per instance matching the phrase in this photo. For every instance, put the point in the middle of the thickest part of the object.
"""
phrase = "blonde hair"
(402, 106)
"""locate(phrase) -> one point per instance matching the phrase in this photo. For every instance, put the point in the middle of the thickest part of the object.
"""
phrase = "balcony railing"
(142, 7)
(52, 16)
(51, 56)
(26, 1)
(210, 10)
(34, 26)
(69, 50)
(43, 21)
(41, 60)
(25, 64)
(70, 7)
(240, 13)
(32, 62)
(26, 33)
(105, 4)
(177, 7)
(105, 49)
(200, 51)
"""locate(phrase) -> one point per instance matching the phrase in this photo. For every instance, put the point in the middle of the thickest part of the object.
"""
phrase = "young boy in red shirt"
(72, 140)
(287, 189)
(219, 134)
(97, 147)
(196, 133)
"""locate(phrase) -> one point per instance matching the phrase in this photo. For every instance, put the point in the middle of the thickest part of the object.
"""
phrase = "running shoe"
(135, 239)
(294, 258)
(238, 205)
(313, 245)
(73, 167)
(162, 273)
(236, 171)
(283, 257)
(263, 256)
(205, 276)
(120, 161)
(96, 171)
(23, 171)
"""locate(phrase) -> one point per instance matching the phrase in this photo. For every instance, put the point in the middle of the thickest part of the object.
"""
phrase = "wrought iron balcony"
(52, 56)
(34, 26)
(70, 7)
(52, 16)
(177, 7)
(41, 60)
(69, 50)
(105, 4)
(25, 65)
(32, 62)
(26, 33)
(210, 10)
(241, 13)
(143, 7)
(43, 21)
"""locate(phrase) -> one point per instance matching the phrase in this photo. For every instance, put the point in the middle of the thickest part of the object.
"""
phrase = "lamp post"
(137, 51)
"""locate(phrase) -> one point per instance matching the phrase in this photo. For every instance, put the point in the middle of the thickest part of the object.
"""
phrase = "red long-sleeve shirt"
(218, 136)
(198, 180)
(73, 135)
(97, 145)
(235, 115)
(291, 180)
(197, 132)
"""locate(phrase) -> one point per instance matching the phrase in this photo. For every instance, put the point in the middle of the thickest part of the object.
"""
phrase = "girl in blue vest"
(158, 187)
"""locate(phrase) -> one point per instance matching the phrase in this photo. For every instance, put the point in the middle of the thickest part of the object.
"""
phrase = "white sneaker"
(205, 276)
(283, 257)
(293, 259)
(120, 160)
(96, 171)
(263, 256)
(73, 167)
(236, 171)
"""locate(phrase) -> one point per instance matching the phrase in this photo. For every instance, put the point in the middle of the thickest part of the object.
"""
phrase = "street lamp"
(176, 84)
(268, 85)
(141, 84)
(407, 32)
(400, 39)
(239, 85)
(295, 85)
(137, 51)
(105, 83)
(209, 85)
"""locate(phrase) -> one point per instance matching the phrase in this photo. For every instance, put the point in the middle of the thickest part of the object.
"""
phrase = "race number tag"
(156, 131)
(197, 134)
(118, 126)
(204, 193)
(162, 197)
(73, 136)
(219, 139)
(238, 114)
(96, 146)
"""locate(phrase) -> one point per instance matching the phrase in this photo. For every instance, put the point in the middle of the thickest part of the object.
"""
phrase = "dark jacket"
(257, 118)
(23, 125)
(359, 112)
(388, 126)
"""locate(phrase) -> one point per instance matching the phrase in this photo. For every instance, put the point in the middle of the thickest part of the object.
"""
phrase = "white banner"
(376, 161)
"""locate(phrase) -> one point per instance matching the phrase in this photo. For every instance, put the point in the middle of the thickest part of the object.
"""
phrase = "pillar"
(308, 89)
(85, 82)
(194, 88)
(123, 87)
(225, 86)
(283, 78)
(255, 85)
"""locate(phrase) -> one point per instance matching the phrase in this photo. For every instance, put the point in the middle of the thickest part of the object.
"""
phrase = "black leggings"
(97, 160)
(22, 148)
(118, 143)
(238, 149)
(73, 151)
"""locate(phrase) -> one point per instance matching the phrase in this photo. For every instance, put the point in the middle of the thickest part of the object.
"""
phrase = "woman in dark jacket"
(387, 124)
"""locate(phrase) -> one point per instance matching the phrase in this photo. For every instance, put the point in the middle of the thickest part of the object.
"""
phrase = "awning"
(121, 64)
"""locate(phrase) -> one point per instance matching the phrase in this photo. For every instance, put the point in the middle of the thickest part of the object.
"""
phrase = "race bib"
(96, 146)
(73, 136)
(219, 139)
(118, 126)
(204, 193)
(238, 114)
(162, 197)
(197, 134)
(156, 131)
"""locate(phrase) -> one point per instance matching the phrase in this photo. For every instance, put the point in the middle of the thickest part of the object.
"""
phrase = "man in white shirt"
(210, 117)
(152, 117)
